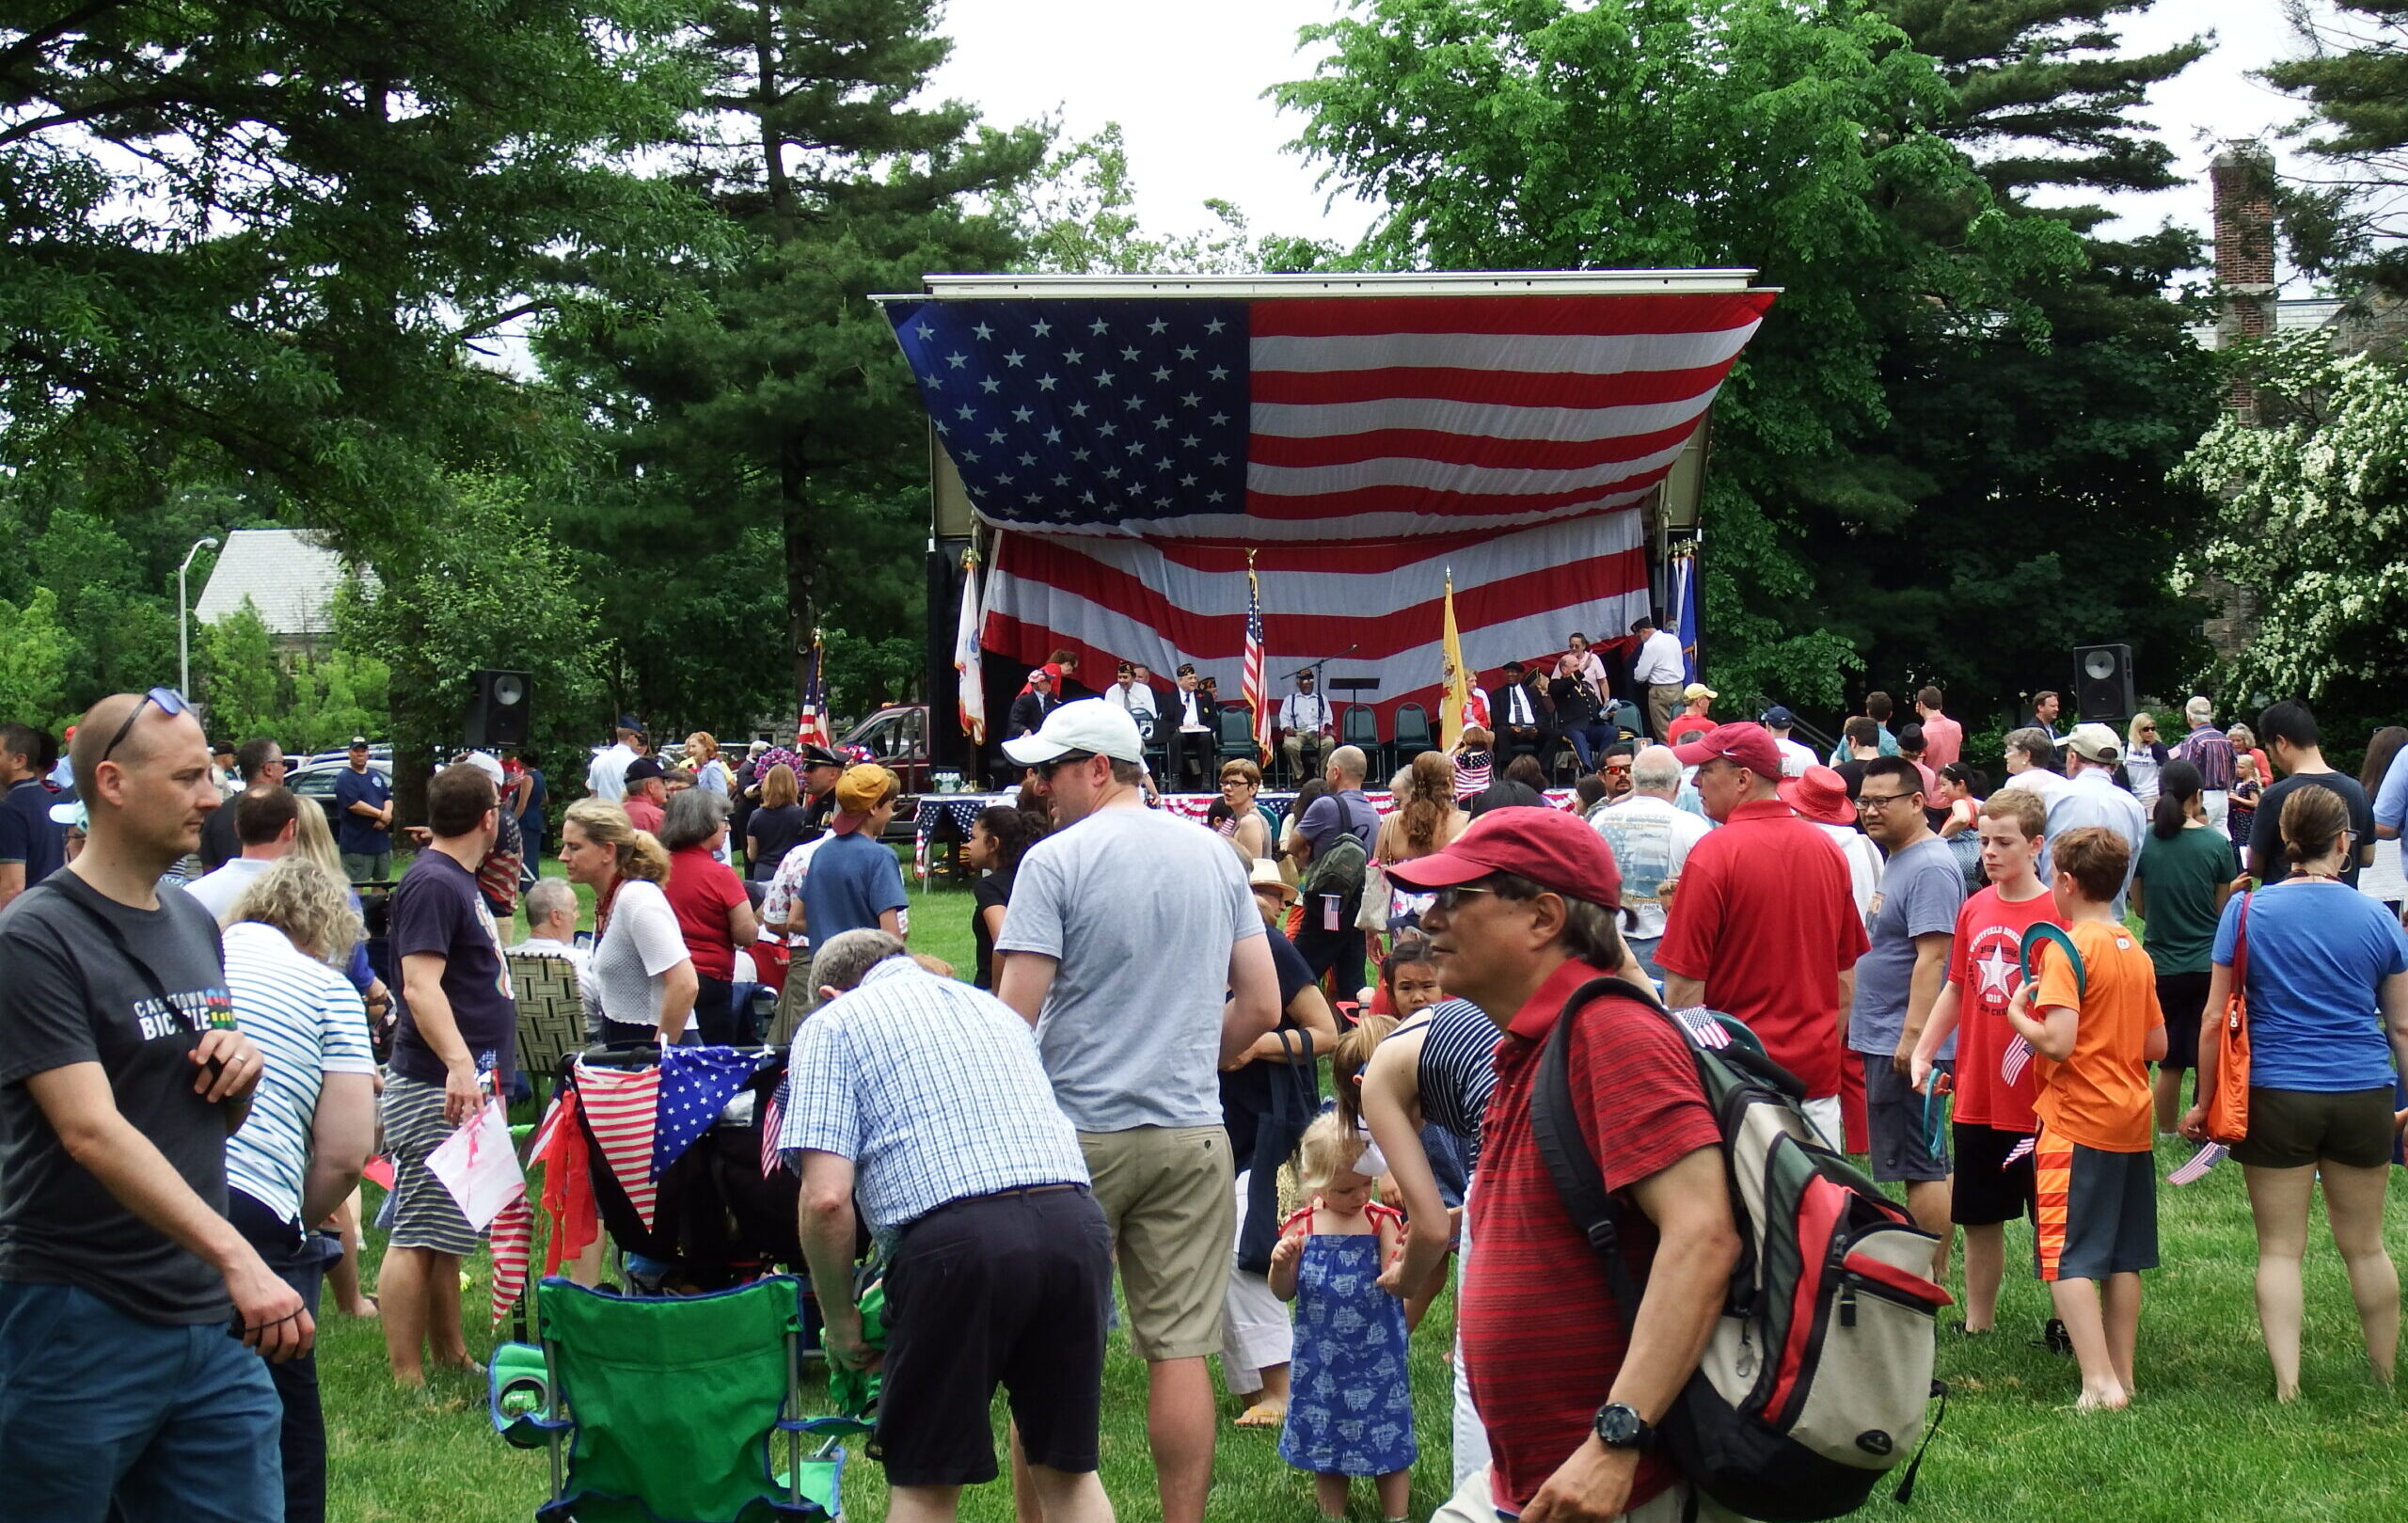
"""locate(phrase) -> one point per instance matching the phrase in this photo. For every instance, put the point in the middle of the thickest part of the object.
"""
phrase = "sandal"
(1263, 1414)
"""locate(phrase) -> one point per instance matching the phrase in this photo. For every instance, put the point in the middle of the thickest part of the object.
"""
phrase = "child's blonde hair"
(1330, 1144)
(1350, 1057)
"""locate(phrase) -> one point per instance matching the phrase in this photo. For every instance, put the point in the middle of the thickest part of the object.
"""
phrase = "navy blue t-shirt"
(437, 909)
(853, 879)
(28, 834)
(356, 834)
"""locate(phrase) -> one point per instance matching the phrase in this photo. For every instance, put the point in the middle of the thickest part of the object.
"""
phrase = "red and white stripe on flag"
(1517, 594)
(513, 1244)
(622, 1108)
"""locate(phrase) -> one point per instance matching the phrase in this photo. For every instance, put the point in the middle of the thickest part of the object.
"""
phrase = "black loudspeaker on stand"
(498, 706)
(2102, 682)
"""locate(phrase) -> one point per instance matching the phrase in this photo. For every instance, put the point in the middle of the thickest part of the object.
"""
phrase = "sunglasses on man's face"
(1067, 759)
(170, 702)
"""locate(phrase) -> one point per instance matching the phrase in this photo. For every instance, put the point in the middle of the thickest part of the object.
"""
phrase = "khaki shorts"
(1166, 1193)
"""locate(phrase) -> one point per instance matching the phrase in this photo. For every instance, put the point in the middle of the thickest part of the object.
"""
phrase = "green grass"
(2205, 1443)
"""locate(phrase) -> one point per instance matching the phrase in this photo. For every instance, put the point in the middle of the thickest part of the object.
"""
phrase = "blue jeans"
(299, 1259)
(99, 1407)
(1590, 742)
(1645, 952)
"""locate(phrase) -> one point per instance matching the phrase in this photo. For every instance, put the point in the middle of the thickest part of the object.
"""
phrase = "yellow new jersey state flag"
(1456, 680)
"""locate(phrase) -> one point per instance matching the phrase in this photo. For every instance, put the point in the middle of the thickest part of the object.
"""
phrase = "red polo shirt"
(1764, 919)
(1542, 1340)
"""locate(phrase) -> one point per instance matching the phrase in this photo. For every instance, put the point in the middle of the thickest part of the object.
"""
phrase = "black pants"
(716, 1015)
(299, 1258)
(1325, 950)
(1190, 751)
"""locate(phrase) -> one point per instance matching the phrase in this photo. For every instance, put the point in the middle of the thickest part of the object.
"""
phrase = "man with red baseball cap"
(1765, 926)
(1568, 1386)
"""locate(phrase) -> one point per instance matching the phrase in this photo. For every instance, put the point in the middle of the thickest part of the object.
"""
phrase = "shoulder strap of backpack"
(1555, 1127)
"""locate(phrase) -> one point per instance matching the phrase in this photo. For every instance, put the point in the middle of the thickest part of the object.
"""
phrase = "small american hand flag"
(2018, 1154)
(773, 1121)
(2202, 1161)
(2017, 1057)
(1702, 1027)
(1251, 682)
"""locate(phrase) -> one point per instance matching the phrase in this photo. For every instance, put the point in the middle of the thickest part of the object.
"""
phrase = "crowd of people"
(190, 1088)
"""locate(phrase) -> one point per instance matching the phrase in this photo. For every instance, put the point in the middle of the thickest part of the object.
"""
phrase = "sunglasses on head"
(170, 702)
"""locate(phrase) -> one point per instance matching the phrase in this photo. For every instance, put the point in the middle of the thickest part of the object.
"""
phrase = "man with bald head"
(121, 1074)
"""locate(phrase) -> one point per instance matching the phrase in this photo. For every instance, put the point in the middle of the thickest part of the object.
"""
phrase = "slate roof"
(289, 576)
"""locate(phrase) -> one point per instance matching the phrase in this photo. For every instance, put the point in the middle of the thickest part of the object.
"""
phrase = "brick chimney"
(2243, 179)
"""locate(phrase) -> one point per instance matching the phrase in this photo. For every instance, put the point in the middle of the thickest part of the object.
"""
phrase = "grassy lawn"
(2205, 1443)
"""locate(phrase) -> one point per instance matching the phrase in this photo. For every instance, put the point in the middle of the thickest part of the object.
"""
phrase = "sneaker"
(2054, 1337)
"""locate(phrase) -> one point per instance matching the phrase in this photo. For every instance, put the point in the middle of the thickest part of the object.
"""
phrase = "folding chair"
(673, 1407)
(1413, 732)
(1360, 728)
(551, 1015)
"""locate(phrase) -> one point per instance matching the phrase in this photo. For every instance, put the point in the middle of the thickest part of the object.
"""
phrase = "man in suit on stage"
(1522, 716)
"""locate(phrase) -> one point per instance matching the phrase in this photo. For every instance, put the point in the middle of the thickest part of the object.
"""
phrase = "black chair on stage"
(1234, 732)
(1412, 734)
(1360, 728)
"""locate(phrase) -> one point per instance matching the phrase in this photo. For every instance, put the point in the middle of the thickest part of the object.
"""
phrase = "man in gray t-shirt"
(1913, 918)
(1124, 932)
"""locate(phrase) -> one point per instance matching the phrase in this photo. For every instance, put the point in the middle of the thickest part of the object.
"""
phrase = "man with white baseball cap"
(2090, 797)
(1125, 926)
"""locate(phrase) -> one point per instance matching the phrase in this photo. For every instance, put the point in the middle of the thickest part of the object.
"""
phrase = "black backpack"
(1818, 1375)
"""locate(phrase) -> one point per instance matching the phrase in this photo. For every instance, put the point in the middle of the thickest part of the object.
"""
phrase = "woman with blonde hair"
(313, 839)
(312, 1120)
(641, 970)
(777, 827)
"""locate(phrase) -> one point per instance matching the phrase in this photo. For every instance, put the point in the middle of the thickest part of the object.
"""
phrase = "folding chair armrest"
(841, 1427)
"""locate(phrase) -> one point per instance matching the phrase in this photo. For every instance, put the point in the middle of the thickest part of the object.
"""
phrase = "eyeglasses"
(170, 702)
(1447, 900)
(1878, 800)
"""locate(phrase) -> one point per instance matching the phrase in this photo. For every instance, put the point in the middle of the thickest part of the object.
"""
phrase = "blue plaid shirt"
(934, 1090)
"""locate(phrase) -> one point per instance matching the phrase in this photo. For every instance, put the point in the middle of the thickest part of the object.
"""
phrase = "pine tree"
(2348, 219)
(775, 395)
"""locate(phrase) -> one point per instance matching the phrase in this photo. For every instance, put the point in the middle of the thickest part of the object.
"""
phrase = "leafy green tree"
(2312, 515)
(481, 585)
(772, 392)
(1078, 215)
(2349, 220)
(240, 681)
(32, 660)
(1801, 141)
(335, 697)
(272, 240)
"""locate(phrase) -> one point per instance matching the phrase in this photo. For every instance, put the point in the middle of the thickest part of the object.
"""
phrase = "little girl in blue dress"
(1350, 1408)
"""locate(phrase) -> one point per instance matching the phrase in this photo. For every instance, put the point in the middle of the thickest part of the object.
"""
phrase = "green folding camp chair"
(671, 1409)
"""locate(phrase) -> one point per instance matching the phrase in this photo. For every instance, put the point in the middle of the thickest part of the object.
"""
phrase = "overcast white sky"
(1186, 80)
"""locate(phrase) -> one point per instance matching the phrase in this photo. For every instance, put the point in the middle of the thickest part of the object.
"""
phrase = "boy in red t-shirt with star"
(1994, 1124)
(2095, 1164)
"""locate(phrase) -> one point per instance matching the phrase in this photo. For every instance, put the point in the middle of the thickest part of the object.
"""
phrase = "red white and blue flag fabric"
(696, 1084)
(1130, 450)
(622, 1109)
(1256, 697)
(813, 728)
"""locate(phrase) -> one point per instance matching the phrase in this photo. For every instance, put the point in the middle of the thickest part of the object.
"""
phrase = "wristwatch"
(1620, 1426)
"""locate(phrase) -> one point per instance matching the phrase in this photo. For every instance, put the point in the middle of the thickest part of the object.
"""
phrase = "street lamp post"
(183, 617)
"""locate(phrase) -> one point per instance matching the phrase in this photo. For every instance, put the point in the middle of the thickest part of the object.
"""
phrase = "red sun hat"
(1750, 745)
(1819, 795)
(1553, 850)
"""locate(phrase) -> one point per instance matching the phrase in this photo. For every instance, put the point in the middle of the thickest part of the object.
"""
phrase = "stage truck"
(1172, 470)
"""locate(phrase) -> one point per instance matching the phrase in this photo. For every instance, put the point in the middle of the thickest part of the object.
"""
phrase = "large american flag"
(1130, 452)
(813, 728)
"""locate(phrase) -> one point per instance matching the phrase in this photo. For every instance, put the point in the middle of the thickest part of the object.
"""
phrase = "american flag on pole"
(1131, 452)
(1257, 699)
(813, 728)
(967, 659)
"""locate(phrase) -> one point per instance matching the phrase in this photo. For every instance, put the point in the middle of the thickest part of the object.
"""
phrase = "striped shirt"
(1457, 1072)
(308, 1021)
(935, 1091)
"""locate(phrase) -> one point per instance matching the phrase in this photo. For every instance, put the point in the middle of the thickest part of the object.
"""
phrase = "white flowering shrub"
(2313, 519)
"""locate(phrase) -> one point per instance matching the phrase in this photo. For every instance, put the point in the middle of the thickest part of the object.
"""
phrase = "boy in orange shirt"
(2096, 1036)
